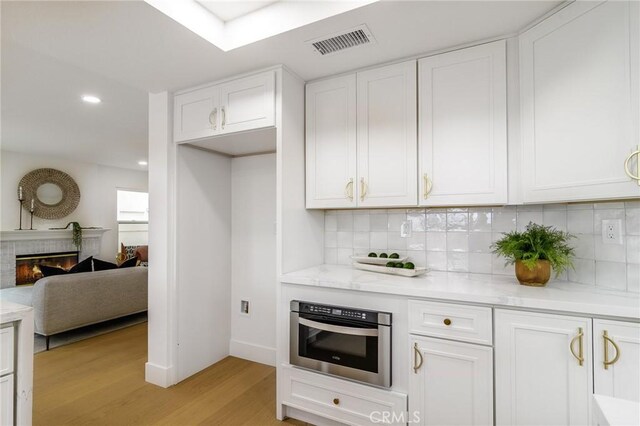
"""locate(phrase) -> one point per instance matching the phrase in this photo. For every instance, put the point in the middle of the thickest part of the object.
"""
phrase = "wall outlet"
(405, 229)
(612, 231)
(244, 307)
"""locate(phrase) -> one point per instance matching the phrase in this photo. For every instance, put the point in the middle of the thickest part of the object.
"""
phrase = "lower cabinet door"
(6, 400)
(617, 359)
(451, 383)
(543, 369)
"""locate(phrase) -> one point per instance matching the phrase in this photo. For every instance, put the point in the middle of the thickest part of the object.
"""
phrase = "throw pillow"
(50, 271)
(101, 265)
(84, 266)
(129, 263)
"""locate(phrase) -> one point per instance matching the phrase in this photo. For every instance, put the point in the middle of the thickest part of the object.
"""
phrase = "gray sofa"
(66, 302)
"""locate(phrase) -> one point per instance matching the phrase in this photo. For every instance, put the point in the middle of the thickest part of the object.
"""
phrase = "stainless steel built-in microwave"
(346, 342)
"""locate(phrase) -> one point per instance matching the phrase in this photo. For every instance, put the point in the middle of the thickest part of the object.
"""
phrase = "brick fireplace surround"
(15, 243)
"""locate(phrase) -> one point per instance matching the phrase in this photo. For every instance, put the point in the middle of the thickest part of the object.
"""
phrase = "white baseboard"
(253, 352)
(158, 375)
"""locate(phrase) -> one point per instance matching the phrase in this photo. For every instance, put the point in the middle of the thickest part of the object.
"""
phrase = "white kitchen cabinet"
(617, 359)
(6, 400)
(248, 103)
(331, 143)
(196, 114)
(451, 382)
(387, 136)
(243, 104)
(463, 127)
(579, 92)
(543, 370)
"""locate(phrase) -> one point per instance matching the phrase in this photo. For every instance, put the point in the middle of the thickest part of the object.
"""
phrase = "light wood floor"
(100, 381)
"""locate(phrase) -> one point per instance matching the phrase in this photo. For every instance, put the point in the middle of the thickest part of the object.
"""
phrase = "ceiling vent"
(354, 37)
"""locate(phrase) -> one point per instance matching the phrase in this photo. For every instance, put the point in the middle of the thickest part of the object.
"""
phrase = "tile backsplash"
(459, 239)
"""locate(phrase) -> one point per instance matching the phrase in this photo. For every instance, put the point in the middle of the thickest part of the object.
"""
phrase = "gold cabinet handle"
(606, 340)
(626, 166)
(213, 118)
(348, 189)
(428, 186)
(363, 189)
(579, 338)
(224, 117)
(336, 401)
(447, 321)
(417, 355)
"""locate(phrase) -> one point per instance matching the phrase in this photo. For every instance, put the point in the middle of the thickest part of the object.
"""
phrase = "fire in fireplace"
(28, 266)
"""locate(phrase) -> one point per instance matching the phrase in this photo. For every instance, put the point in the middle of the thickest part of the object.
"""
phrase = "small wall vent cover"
(354, 37)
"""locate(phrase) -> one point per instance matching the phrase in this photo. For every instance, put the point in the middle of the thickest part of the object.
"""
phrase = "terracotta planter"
(538, 277)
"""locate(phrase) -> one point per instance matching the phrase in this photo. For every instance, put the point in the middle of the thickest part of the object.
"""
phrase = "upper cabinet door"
(387, 136)
(196, 114)
(463, 127)
(579, 103)
(617, 359)
(248, 103)
(331, 143)
(543, 372)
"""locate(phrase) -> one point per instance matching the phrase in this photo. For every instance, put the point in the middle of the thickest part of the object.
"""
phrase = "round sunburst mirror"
(54, 193)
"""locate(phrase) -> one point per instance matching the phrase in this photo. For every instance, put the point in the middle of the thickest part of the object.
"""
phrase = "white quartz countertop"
(10, 311)
(487, 289)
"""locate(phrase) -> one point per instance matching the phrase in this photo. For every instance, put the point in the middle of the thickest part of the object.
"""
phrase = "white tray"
(376, 260)
(391, 271)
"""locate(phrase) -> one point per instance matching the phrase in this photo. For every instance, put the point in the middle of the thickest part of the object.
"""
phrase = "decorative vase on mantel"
(536, 277)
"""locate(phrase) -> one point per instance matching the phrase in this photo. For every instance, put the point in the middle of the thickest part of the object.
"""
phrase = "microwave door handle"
(339, 329)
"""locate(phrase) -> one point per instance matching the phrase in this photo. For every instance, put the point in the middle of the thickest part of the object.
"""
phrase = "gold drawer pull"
(580, 355)
(447, 321)
(606, 340)
(213, 118)
(417, 355)
(336, 401)
(348, 190)
(626, 166)
(428, 186)
(363, 189)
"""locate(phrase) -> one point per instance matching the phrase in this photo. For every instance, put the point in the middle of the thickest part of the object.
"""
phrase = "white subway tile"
(608, 205)
(608, 214)
(417, 219)
(436, 241)
(529, 208)
(436, 221)
(331, 256)
(633, 249)
(457, 221)
(457, 262)
(418, 257)
(330, 222)
(345, 239)
(458, 241)
(611, 275)
(584, 246)
(395, 221)
(580, 221)
(361, 222)
(345, 221)
(417, 241)
(378, 240)
(580, 206)
(584, 273)
(331, 239)
(396, 242)
(480, 263)
(499, 266)
(555, 218)
(633, 278)
(503, 220)
(480, 220)
(633, 221)
(480, 242)
(437, 261)
(360, 240)
(344, 256)
(378, 222)
(526, 217)
(610, 252)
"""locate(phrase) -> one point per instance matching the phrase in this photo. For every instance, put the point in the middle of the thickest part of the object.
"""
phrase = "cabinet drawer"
(456, 322)
(6, 400)
(341, 400)
(6, 350)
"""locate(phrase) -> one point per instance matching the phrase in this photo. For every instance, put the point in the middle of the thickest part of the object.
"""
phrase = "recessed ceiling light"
(91, 99)
(142, 163)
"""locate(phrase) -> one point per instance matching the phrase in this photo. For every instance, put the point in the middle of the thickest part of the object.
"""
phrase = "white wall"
(203, 258)
(98, 185)
(253, 257)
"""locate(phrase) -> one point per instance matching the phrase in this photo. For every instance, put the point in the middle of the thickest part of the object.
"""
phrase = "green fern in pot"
(535, 251)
